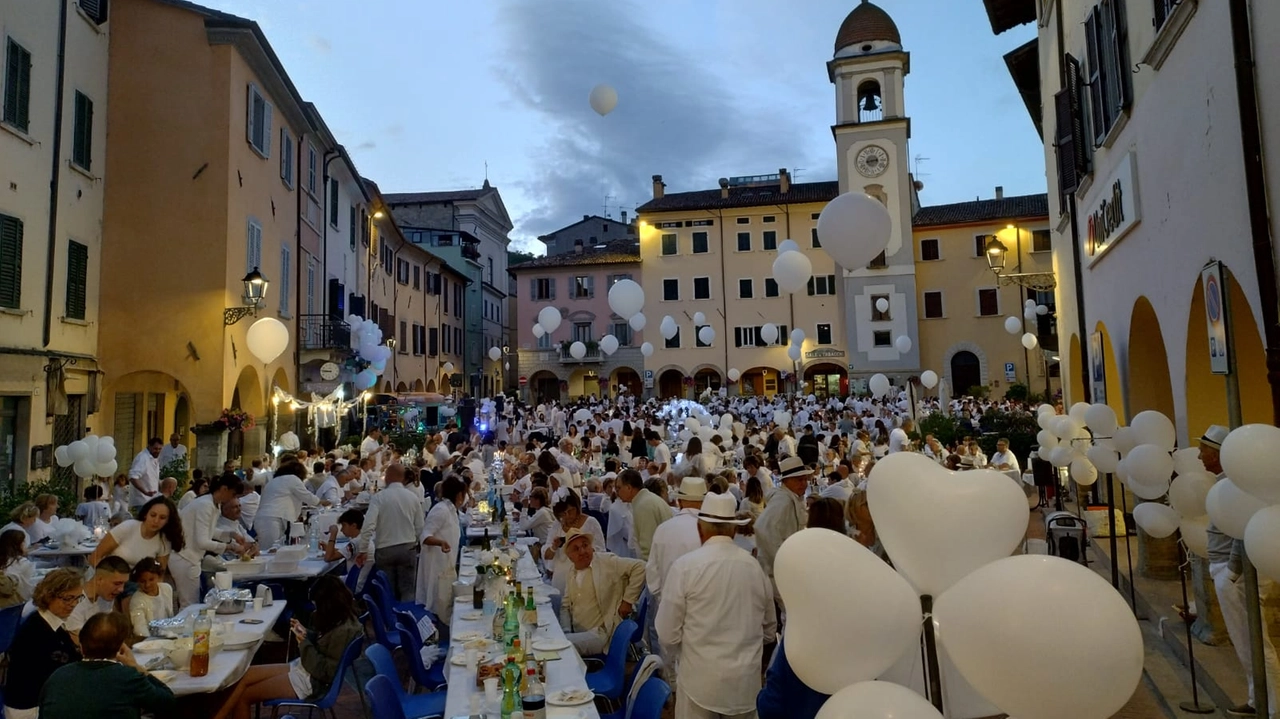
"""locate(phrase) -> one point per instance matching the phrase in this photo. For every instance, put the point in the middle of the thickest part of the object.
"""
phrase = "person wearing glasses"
(42, 643)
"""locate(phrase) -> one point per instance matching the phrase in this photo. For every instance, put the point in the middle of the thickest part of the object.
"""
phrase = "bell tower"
(871, 131)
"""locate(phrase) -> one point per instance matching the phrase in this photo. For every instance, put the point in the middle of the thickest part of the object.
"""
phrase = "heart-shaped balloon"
(820, 575)
(917, 506)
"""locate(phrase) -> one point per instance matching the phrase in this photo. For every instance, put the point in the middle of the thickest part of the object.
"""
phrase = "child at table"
(93, 511)
(152, 601)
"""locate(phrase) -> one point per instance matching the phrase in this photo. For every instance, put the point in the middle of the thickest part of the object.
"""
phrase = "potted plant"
(592, 345)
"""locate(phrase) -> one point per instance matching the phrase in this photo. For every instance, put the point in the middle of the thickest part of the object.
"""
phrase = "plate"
(152, 646)
(165, 675)
(541, 600)
(472, 615)
(464, 637)
(550, 645)
(239, 640)
(569, 697)
(462, 600)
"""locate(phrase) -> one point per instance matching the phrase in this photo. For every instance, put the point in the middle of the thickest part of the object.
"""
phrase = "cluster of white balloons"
(984, 600)
(704, 425)
(92, 456)
(1246, 505)
(1030, 311)
(367, 337)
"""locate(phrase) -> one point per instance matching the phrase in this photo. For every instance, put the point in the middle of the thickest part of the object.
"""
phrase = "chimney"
(586, 217)
(577, 247)
(999, 192)
(724, 188)
(659, 187)
(624, 217)
(784, 180)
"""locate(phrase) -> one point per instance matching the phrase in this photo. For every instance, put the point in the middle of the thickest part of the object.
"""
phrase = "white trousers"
(687, 709)
(1231, 601)
(186, 580)
(589, 643)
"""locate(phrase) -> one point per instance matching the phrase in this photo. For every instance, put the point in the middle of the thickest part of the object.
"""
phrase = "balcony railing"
(592, 355)
(322, 332)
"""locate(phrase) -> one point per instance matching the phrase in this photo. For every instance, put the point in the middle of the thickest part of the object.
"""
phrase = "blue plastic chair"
(411, 705)
(330, 698)
(427, 677)
(651, 699)
(352, 580)
(638, 646)
(609, 681)
(10, 619)
(384, 632)
(387, 600)
(382, 698)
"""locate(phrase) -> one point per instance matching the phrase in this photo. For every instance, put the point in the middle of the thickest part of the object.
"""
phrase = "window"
(402, 271)
(419, 339)
(674, 342)
(745, 337)
(313, 163)
(286, 275)
(333, 202)
(876, 314)
(822, 285)
(95, 9)
(988, 302)
(448, 339)
(82, 133)
(697, 337)
(457, 340)
(671, 290)
(17, 86)
(700, 243)
(259, 122)
(401, 345)
(815, 216)
(933, 305)
(879, 262)
(770, 240)
(457, 305)
(584, 287)
(702, 288)
(311, 285)
(669, 244)
(744, 220)
(417, 277)
(490, 259)
(1041, 241)
(444, 296)
(1163, 9)
(929, 250)
(622, 332)
(769, 218)
(744, 242)
(10, 262)
(253, 248)
(542, 288)
(881, 338)
(433, 341)
(746, 289)
(286, 161)
(1071, 149)
(1106, 34)
(365, 230)
(770, 287)
(582, 332)
(544, 342)
(824, 334)
(77, 279)
(612, 280)
(813, 238)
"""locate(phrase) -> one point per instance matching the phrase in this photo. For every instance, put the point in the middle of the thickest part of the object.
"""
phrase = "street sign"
(523, 380)
(1215, 314)
(648, 379)
(1010, 372)
(455, 380)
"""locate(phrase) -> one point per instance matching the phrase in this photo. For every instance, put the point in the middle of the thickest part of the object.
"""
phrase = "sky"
(432, 95)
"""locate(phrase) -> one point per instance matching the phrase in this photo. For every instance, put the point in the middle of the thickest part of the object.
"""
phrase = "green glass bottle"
(511, 625)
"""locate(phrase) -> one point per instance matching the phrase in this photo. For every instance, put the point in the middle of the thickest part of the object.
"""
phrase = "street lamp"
(997, 255)
(255, 292)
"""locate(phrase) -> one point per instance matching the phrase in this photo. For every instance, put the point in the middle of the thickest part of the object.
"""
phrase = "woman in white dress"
(436, 564)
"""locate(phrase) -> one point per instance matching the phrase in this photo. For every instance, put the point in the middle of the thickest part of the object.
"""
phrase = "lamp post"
(255, 293)
(997, 256)
(391, 345)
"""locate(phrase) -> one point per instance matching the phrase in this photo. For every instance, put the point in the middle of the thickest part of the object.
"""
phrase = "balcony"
(322, 332)
(470, 252)
(593, 356)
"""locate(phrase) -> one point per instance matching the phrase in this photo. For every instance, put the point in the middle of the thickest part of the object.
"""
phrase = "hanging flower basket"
(688, 381)
(232, 420)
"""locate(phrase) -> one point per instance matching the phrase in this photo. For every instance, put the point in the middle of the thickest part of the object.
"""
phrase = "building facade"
(589, 232)
(577, 284)
(53, 164)
(1157, 168)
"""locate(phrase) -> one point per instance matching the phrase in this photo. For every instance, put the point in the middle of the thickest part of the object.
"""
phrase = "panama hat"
(692, 489)
(1214, 436)
(720, 509)
(793, 468)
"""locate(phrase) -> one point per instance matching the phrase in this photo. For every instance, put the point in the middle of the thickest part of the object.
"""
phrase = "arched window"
(966, 372)
(870, 102)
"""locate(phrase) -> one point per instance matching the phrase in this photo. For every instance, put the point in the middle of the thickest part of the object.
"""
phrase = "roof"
(615, 252)
(1008, 14)
(427, 198)
(745, 196)
(1024, 65)
(963, 213)
(867, 23)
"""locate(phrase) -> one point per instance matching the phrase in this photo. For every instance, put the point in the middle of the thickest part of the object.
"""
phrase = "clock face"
(872, 161)
(329, 371)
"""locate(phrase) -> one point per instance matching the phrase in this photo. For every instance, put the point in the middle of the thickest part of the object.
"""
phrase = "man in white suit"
(600, 592)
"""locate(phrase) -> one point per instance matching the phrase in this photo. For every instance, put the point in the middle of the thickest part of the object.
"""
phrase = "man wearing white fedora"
(674, 539)
(784, 513)
(715, 618)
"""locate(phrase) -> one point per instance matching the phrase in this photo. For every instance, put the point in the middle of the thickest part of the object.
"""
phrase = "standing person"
(76, 691)
(395, 515)
(144, 474)
(648, 510)
(42, 644)
(156, 533)
(784, 513)
(174, 450)
(715, 618)
(199, 532)
(282, 501)
(671, 541)
(440, 534)
(900, 437)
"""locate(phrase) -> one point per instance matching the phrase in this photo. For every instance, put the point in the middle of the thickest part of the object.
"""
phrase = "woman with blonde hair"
(23, 517)
(42, 643)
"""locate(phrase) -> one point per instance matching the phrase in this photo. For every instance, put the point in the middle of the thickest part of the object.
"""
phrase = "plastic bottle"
(533, 698)
(510, 688)
(313, 539)
(200, 636)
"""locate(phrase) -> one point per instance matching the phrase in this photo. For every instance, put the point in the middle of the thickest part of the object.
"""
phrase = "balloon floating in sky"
(854, 228)
(603, 99)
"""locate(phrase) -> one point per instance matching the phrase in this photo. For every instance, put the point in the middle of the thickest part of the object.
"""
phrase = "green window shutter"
(10, 262)
(82, 140)
(77, 279)
(17, 86)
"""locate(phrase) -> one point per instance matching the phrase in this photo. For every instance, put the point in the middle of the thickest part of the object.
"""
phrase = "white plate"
(471, 616)
(152, 646)
(165, 675)
(569, 697)
(550, 645)
(238, 640)
(464, 637)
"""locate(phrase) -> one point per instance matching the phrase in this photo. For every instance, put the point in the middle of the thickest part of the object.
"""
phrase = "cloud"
(367, 145)
(675, 116)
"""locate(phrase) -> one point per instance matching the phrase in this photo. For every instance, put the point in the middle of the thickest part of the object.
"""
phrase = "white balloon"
(929, 379)
(794, 353)
(1063, 426)
(1104, 458)
(1029, 341)
(1047, 441)
(769, 333)
(828, 646)
(92, 441)
(707, 334)
(448, 367)
(603, 99)
(1083, 471)
(538, 331)
(792, 270)
(1029, 314)
(549, 317)
(637, 321)
(84, 468)
(1189, 492)
(1078, 411)
(693, 424)
(365, 379)
(911, 498)
(354, 321)
(797, 336)
(1156, 519)
(1230, 508)
(1149, 491)
(506, 365)
(877, 700)
(1187, 461)
(1262, 542)
(882, 305)
(788, 246)
(108, 468)
(854, 228)
(267, 339)
(699, 319)
(985, 618)
(1150, 465)
(1061, 456)
(577, 350)
(63, 457)
(1042, 310)
(1101, 419)
(734, 374)
(879, 385)
(902, 344)
(1029, 304)
(495, 353)
(646, 349)
(608, 344)
(626, 298)
(78, 451)
(582, 415)
(1125, 439)
(1195, 535)
(105, 453)
(1151, 427)
(1012, 325)
(1249, 459)
(668, 328)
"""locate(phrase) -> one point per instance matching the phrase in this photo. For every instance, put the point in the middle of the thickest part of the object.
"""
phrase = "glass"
(71, 598)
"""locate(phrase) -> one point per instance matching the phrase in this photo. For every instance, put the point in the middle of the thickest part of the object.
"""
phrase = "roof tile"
(961, 213)
(614, 253)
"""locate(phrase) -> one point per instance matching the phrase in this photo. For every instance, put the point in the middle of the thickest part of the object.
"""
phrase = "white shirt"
(671, 541)
(329, 491)
(249, 508)
(168, 453)
(283, 498)
(199, 529)
(132, 547)
(618, 538)
(662, 455)
(1000, 458)
(898, 440)
(840, 490)
(146, 469)
(716, 614)
(369, 446)
(396, 515)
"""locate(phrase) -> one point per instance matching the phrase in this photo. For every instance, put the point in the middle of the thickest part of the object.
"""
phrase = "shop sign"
(824, 354)
(1116, 213)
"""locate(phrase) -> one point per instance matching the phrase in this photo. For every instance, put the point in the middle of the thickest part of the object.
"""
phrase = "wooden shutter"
(266, 127)
(533, 288)
(1123, 90)
(336, 294)
(77, 278)
(737, 336)
(17, 87)
(10, 262)
(82, 132)
(433, 341)
(551, 288)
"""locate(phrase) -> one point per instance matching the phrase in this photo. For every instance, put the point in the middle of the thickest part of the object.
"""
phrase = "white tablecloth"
(307, 569)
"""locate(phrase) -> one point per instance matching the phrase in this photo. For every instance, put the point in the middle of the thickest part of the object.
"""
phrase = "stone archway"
(544, 386)
(978, 371)
(1148, 363)
(670, 383)
(707, 376)
(1205, 391)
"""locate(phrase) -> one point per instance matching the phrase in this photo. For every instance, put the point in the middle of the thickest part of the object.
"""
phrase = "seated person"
(600, 591)
(152, 601)
(76, 691)
(93, 511)
(15, 565)
(230, 526)
(42, 644)
(349, 525)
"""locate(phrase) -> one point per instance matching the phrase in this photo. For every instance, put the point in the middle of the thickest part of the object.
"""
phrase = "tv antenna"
(795, 174)
(605, 205)
(916, 170)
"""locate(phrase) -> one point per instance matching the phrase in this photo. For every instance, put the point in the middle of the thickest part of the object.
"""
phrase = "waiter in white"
(440, 534)
(715, 618)
(144, 474)
(282, 501)
(174, 450)
(199, 529)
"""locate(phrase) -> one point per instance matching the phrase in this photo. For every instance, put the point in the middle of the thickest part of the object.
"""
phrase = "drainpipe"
(1077, 265)
(1256, 192)
(55, 173)
(324, 236)
(724, 299)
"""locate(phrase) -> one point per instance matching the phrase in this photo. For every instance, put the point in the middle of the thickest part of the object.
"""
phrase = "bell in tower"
(870, 107)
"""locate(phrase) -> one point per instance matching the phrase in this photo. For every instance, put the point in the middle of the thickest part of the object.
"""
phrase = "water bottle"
(313, 539)
(533, 699)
